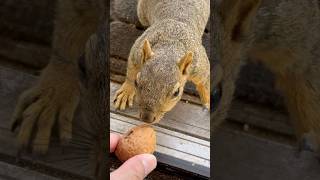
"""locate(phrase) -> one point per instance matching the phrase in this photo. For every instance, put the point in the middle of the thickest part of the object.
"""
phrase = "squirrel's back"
(195, 13)
(288, 23)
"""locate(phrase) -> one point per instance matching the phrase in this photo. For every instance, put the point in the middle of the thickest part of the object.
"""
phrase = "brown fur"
(284, 37)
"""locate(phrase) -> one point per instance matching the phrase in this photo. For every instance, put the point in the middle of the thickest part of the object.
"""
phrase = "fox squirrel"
(55, 97)
(284, 36)
(165, 56)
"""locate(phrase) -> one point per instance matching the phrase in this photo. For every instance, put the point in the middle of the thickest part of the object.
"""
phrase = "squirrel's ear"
(147, 51)
(185, 62)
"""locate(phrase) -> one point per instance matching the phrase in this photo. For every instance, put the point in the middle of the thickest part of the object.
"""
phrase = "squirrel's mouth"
(151, 118)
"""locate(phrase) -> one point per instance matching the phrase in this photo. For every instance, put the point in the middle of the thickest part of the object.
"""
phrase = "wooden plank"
(9, 171)
(185, 117)
(59, 159)
(12, 83)
(237, 155)
(30, 20)
(118, 66)
(27, 53)
(260, 117)
(173, 148)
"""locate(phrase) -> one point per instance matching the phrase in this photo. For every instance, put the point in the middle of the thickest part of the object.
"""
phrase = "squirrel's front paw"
(309, 142)
(124, 96)
(38, 109)
(206, 107)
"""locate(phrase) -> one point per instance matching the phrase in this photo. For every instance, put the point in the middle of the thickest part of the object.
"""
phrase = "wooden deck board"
(11, 172)
(241, 156)
(12, 83)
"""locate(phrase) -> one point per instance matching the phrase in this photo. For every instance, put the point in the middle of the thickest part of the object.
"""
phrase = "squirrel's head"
(160, 83)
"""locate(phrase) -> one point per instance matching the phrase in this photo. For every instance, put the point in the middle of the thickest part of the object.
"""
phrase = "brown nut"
(138, 140)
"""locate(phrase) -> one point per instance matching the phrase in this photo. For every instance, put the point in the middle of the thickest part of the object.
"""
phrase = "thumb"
(136, 168)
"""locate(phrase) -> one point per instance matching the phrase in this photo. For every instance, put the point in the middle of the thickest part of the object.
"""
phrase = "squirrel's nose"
(147, 117)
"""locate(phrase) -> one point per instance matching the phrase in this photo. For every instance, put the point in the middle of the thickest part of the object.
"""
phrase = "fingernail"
(149, 162)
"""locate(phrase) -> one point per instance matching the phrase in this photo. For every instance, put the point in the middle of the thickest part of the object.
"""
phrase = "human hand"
(135, 168)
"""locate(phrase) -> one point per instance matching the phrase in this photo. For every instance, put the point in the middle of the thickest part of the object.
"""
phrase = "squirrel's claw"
(205, 109)
(25, 99)
(36, 112)
(130, 100)
(124, 96)
(117, 100)
(123, 102)
(307, 143)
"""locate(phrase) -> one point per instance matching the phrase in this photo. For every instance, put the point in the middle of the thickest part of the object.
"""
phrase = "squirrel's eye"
(176, 93)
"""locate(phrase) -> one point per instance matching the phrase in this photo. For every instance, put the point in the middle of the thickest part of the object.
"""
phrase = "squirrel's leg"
(203, 88)
(300, 89)
(127, 91)
(125, 95)
(200, 76)
(302, 99)
(56, 95)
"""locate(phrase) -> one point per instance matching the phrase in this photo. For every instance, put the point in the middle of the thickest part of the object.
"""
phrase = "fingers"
(114, 139)
(27, 98)
(66, 116)
(136, 168)
(44, 124)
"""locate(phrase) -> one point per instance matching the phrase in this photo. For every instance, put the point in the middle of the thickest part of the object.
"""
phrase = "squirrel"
(167, 55)
(284, 37)
(55, 97)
